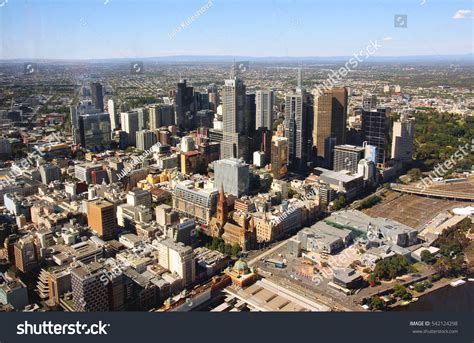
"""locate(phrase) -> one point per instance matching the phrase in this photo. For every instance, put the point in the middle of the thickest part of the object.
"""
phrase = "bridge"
(435, 193)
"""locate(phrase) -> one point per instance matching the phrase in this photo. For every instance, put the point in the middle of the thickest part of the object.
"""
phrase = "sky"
(96, 29)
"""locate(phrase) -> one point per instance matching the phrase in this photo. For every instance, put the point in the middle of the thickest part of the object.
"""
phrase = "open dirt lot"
(412, 210)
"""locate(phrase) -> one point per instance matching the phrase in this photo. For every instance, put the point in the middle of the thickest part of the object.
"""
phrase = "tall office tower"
(84, 107)
(279, 157)
(234, 142)
(143, 118)
(94, 131)
(201, 101)
(101, 217)
(329, 130)
(49, 173)
(145, 139)
(177, 258)
(233, 175)
(185, 106)
(97, 96)
(375, 131)
(298, 125)
(114, 120)
(369, 102)
(89, 291)
(213, 93)
(347, 157)
(160, 115)
(250, 114)
(26, 258)
(264, 102)
(129, 122)
(402, 141)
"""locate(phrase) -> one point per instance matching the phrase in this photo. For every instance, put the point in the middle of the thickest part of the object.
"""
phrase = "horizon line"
(203, 56)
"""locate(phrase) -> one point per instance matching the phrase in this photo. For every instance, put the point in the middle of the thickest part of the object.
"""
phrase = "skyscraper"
(114, 120)
(329, 130)
(298, 124)
(264, 101)
(369, 102)
(375, 131)
(129, 122)
(89, 291)
(101, 217)
(97, 96)
(95, 131)
(347, 157)
(212, 91)
(233, 175)
(145, 139)
(185, 105)
(177, 258)
(160, 115)
(279, 157)
(402, 141)
(143, 118)
(234, 142)
(84, 107)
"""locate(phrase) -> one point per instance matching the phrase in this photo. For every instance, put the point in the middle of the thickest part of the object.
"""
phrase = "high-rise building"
(402, 141)
(264, 101)
(298, 125)
(279, 157)
(233, 175)
(145, 139)
(213, 93)
(375, 131)
(250, 113)
(97, 96)
(234, 143)
(89, 291)
(177, 258)
(114, 120)
(160, 115)
(369, 102)
(185, 106)
(329, 129)
(143, 118)
(26, 258)
(347, 157)
(101, 218)
(193, 202)
(49, 173)
(95, 131)
(187, 144)
(129, 122)
(84, 107)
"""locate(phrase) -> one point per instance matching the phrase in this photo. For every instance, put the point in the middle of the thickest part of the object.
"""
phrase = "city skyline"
(108, 29)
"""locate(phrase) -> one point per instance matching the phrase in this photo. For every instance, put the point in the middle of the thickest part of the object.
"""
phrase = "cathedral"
(223, 226)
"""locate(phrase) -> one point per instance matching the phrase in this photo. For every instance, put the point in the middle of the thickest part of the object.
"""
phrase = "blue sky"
(82, 29)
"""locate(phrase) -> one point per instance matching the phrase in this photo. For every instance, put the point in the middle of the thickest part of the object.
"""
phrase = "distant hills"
(465, 59)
